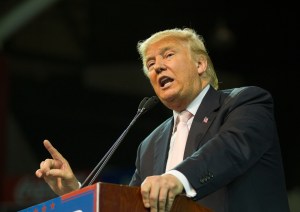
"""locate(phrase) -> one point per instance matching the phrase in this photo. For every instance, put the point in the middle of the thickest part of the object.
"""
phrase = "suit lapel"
(204, 117)
(162, 147)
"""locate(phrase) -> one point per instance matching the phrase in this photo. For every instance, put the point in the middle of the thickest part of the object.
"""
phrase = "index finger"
(145, 191)
(53, 152)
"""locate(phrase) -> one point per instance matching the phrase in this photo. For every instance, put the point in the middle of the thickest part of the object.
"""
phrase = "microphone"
(142, 103)
(145, 105)
(149, 104)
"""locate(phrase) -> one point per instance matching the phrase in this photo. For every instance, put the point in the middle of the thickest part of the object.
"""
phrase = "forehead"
(164, 44)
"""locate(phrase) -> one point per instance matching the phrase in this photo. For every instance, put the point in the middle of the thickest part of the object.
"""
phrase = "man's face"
(173, 73)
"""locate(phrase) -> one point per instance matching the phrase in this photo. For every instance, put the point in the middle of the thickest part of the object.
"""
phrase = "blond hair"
(196, 44)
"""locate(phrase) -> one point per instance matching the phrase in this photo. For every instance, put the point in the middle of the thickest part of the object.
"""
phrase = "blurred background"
(70, 73)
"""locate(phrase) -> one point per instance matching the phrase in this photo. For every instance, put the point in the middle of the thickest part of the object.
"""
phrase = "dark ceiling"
(73, 69)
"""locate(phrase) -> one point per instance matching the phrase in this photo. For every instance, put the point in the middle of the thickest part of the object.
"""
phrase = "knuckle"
(162, 201)
(152, 198)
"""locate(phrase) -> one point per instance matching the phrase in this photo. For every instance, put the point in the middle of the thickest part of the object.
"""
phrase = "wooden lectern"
(107, 197)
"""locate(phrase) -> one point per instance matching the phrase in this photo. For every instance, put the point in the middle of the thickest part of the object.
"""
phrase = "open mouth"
(164, 81)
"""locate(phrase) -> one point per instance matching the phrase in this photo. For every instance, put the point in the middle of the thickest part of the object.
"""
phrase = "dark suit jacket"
(232, 157)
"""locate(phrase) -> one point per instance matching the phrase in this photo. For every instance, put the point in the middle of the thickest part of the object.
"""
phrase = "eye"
(150, 64)
(169, 54)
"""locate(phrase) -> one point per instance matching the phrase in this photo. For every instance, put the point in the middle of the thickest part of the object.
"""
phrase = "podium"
(108, 197)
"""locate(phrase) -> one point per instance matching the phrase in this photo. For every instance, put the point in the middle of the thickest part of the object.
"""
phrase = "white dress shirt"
(192, 108)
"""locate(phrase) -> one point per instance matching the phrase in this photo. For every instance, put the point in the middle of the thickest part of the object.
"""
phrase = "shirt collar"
(194, 105)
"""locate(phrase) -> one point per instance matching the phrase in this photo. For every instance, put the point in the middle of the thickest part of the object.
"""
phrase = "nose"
(159, 66)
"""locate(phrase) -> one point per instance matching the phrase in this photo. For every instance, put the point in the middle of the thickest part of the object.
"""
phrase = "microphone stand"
(144, 105)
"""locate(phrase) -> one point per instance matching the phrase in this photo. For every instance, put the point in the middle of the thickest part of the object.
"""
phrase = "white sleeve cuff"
(189, 190)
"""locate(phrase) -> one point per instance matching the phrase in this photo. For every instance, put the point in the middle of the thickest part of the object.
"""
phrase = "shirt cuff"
(189, 190)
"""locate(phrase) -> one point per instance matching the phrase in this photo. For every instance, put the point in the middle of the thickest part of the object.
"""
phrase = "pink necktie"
(178, 146)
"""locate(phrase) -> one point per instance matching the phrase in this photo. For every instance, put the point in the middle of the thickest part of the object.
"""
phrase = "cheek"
(152, 79)
(189, 74)
(190, 78)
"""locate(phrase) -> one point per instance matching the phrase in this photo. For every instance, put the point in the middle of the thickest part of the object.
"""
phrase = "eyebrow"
(161, 52)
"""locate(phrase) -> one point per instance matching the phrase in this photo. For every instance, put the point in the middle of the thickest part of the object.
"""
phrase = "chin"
(169, 101)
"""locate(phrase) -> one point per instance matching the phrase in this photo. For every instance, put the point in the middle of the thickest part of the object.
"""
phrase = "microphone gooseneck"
(145, 105)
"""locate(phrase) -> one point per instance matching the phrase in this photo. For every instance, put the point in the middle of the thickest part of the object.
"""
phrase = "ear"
(201, 64)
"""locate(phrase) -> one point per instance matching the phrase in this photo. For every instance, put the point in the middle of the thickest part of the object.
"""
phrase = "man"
(232, 160)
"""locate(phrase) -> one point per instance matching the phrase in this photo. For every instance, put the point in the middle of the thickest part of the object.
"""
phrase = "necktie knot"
(184, 116)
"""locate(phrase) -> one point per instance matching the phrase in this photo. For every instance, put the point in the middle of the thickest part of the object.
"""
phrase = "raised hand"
(57, 172)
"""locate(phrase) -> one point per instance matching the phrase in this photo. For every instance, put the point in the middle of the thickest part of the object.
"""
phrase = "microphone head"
(150, 103)
(142, 103)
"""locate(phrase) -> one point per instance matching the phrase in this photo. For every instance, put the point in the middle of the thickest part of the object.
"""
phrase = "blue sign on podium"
(83, 200)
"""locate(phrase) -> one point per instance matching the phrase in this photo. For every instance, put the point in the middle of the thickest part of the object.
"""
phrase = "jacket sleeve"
(240, 136)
